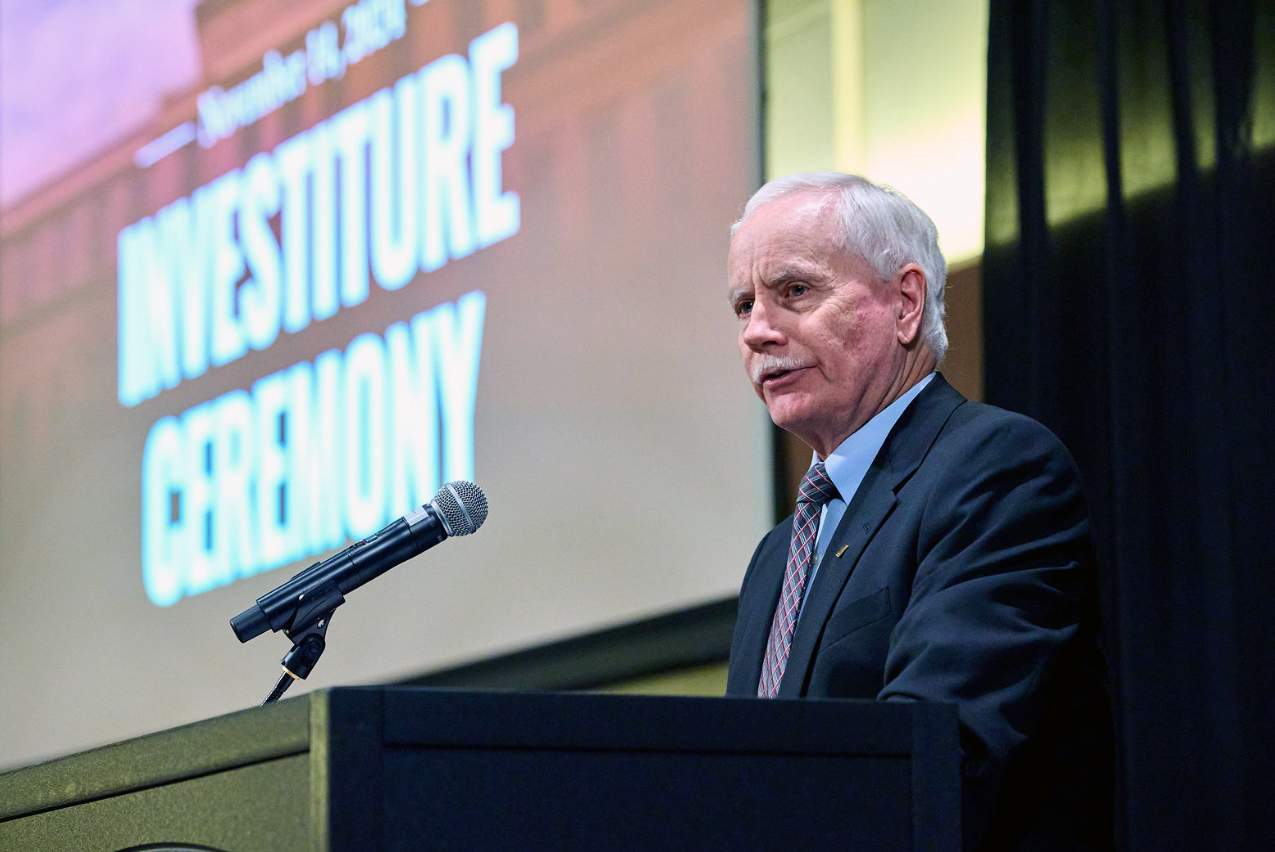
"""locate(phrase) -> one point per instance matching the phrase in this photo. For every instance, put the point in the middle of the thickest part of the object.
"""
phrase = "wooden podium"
(379, 768)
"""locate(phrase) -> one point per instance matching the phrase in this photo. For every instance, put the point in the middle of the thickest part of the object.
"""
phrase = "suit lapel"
(752, 629)
(900, 455)
(869, 508)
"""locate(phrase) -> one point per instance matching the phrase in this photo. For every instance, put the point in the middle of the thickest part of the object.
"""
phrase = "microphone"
(459, 508)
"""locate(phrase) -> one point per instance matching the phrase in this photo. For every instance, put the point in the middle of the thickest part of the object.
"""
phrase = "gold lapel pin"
(843, 549)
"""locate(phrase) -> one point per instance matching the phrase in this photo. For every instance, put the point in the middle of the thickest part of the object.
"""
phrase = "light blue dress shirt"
(849, 463)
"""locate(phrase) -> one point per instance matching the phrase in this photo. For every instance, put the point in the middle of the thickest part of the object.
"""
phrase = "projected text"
(314, 454)
(396, 184)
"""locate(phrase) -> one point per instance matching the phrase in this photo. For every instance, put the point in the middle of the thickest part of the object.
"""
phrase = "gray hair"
(881, 226)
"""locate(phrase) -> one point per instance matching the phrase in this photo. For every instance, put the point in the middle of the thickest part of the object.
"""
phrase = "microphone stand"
(308, 632)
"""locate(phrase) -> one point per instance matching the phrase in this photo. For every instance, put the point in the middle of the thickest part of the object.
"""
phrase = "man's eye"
(743, 308)
(795, 290)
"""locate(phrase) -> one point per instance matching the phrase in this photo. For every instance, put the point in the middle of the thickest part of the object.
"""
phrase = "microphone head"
(463, 507)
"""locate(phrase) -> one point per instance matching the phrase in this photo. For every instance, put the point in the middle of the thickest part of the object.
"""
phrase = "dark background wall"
(1128, 290)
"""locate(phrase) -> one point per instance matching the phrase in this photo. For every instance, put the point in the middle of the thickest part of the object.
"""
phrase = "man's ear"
(911, 287)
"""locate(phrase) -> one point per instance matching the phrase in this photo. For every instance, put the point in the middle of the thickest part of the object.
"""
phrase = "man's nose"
(761, 328)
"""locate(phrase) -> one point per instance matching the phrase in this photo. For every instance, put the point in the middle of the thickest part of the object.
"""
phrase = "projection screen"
(271, 272)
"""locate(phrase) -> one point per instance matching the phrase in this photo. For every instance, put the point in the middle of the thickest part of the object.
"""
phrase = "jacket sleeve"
(1004, 570)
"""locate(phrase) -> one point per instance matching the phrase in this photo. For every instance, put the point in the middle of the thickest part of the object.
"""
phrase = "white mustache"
(773, 364)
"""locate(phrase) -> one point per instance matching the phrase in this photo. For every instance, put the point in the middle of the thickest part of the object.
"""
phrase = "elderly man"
(941, 549)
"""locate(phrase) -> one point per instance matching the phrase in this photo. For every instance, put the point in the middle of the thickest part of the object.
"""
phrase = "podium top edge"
(426, 717)
(236, 739)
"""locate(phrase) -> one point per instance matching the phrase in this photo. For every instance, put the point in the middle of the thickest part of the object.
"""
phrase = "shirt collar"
(849, 462)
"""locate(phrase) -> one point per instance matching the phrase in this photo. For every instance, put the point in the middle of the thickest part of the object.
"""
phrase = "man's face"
(817, 327)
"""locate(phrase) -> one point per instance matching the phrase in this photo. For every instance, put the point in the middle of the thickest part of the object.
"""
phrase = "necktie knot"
(816, 486)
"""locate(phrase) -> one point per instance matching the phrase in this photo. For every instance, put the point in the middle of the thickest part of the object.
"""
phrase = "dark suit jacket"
(967, 576)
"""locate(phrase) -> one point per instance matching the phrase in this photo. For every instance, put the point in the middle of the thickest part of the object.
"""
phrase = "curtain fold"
(1129, 296)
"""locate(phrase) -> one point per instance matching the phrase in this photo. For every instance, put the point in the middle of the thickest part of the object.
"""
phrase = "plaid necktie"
(816, 490)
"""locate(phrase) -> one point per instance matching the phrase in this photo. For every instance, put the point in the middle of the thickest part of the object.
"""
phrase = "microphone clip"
(308, 631)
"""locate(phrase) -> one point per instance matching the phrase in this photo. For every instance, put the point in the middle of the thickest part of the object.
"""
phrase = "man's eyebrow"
(792, 273)
(787, 275)
(775, 280)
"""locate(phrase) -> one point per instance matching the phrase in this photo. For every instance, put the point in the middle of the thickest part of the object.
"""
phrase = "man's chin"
(787, 415)
(801, 414)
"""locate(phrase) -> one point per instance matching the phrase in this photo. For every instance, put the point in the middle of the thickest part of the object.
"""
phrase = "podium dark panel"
(411, 769)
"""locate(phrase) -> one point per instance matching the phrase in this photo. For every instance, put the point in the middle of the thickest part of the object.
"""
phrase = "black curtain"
(1129, 304)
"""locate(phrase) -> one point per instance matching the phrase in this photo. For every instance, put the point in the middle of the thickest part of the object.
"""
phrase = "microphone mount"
(302, 607)
(308, 631)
